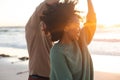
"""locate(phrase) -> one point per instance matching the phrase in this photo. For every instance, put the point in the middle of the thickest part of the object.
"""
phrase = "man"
(38, 44)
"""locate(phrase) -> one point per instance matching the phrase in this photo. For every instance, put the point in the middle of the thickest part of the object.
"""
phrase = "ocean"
(106, 41)
(12, 37)
(105, 50)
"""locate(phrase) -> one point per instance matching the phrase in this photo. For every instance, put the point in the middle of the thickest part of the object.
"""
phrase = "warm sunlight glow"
(17, 12)
(106, 11)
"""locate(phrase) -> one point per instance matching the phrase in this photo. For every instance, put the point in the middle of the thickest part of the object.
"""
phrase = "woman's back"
(67, 61)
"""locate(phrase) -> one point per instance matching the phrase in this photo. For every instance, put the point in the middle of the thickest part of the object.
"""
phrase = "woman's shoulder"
(56, 52)
(57, 48)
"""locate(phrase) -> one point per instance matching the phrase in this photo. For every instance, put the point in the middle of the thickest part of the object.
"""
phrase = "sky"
(17, 12)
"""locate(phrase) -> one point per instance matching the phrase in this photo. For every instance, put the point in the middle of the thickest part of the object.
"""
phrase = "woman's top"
(69, 63)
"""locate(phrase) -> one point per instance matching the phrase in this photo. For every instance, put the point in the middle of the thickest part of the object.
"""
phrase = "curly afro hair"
(57, 16)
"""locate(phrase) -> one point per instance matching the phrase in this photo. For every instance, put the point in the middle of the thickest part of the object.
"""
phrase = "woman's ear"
(66, 29)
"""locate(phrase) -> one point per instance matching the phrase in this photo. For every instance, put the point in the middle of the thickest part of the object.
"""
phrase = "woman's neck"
(65, 39)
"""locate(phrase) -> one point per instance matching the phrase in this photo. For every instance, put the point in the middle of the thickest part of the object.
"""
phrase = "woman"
(69, 57)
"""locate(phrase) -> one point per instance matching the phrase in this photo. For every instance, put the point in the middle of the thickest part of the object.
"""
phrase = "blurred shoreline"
(106, 41)
(104, 49)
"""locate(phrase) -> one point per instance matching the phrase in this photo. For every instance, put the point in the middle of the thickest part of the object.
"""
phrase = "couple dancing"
(68, 58)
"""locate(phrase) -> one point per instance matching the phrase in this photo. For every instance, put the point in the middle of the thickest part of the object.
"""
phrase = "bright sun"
(106, 11)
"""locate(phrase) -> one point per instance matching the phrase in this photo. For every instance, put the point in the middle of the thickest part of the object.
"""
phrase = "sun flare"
(107, 12)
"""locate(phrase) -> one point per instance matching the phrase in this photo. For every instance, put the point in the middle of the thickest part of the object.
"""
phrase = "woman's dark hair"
(57, 16)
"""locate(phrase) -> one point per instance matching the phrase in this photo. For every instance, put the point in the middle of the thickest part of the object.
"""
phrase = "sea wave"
(105, 41)
(12, 37)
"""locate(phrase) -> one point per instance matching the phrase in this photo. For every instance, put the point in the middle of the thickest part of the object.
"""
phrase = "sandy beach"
(12, 68)
(16, 71)
(106, 67)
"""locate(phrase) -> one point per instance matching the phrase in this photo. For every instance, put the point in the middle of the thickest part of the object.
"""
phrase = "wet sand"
(12, 68)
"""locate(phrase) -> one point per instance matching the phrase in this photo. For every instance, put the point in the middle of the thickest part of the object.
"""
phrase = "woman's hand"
(91, 16)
